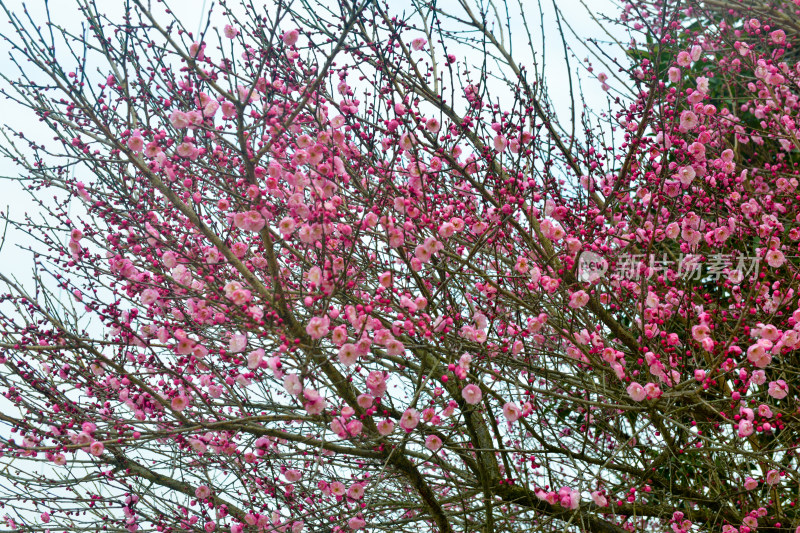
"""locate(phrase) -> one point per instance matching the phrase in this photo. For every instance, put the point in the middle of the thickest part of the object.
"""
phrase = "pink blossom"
(230, 32)
(773, 477)
(395, 347)
(96, 448)
(338, 489)
(684, 59)
(356, 523)
(348, 355)
(315, 403)
(418, 43)
(758, 355)
(569, 498)
(472, 394)
(136, 143)
(376, 383)
(202, 492)
(409, 419)
(778, 36)
(356, 491)
(249, 221)
(318, 327)
(291, 382)
(778, 389)
(636, 392)
(511, 411)
(385, 427)
(433, 442)
(578, 299)
(775, 258)
(599, 499)
(179, 403)
(745, 428)
(688, 121)
(237, 343)
(290, 37)
(179, 120)
(254, 358)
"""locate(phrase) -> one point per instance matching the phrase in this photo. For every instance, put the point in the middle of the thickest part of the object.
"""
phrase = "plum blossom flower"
(569, 498)
(338, 489)
(149, 296)
(356, 491)
(778, 389)
(688, 121)
(135, 142)
(636, 392)
(778, 36)
(356, 523)
(385, 427)
(433, 442)
(237, 343)
(202, 492)
(348, 355)
(745, 428)
(599, 499)
(409, 419)
(758, 354)
(365, 401)
(511, 411)
(775, 258)
(230, 32)
(249, 221)
(315, 403)
(418, 43)
(291, 382)
(684, 59)
(96, 448)
(376, 382)
(179, 403)
(472, 394)
(578, 299)
(290, 37)
(773, 477)
(318, 327)
(254, 358)
(180, 120)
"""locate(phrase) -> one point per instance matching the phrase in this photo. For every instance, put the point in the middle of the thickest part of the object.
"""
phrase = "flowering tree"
(336, 267)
